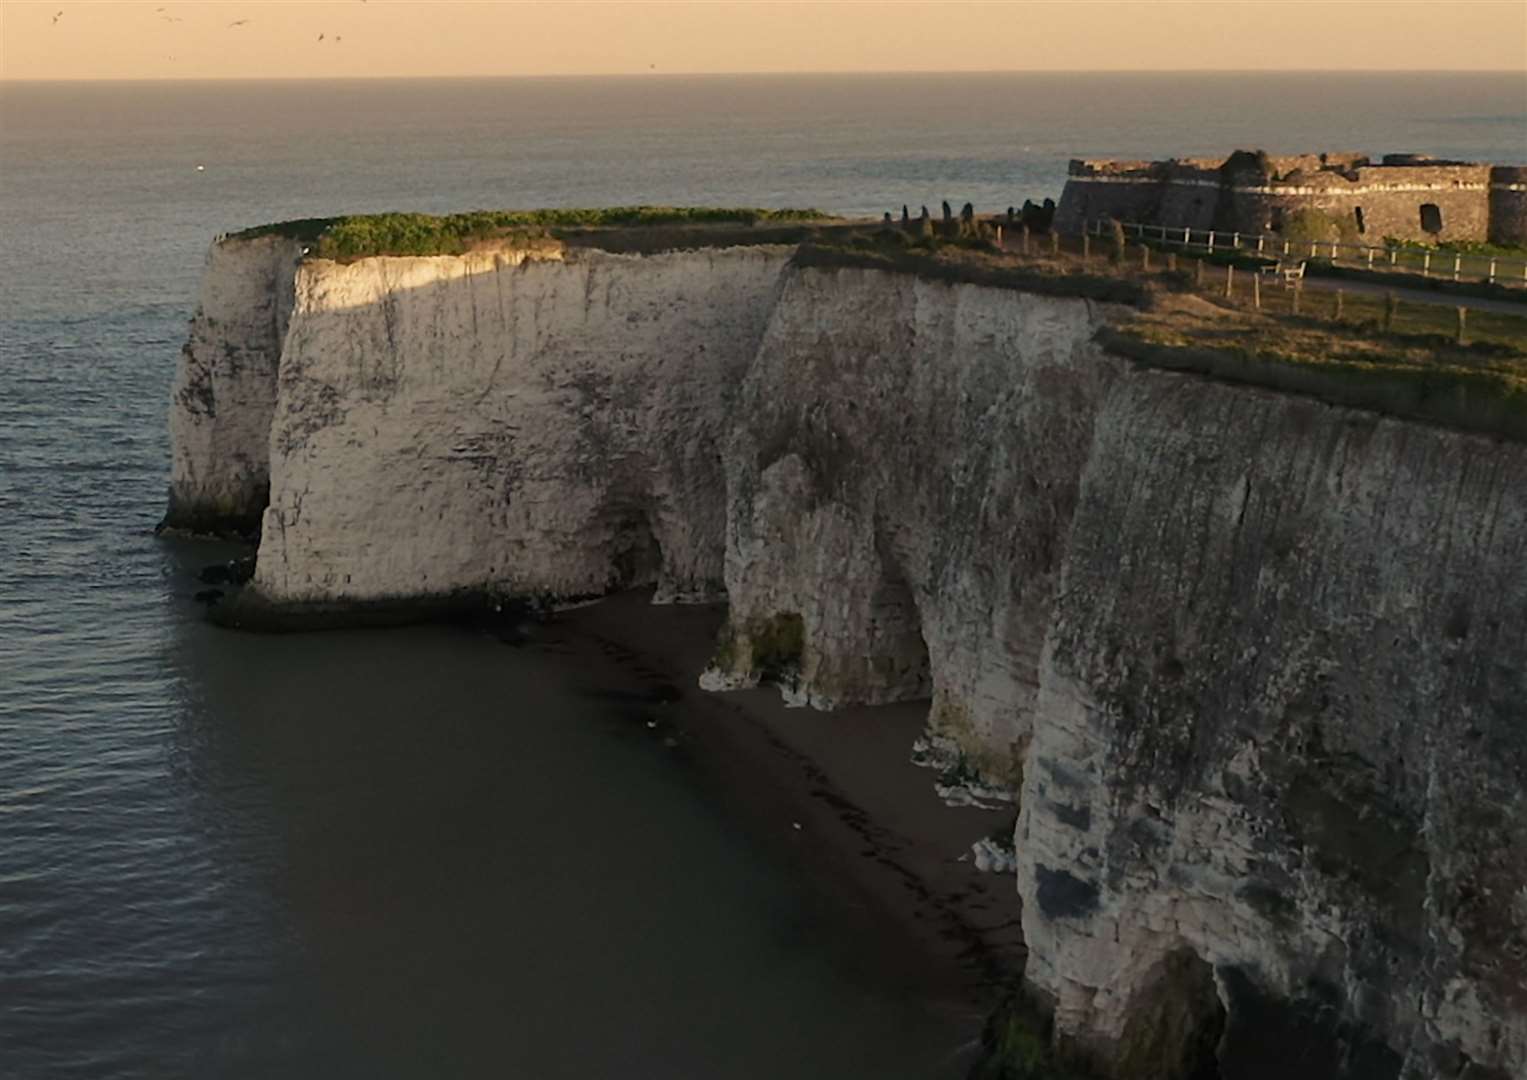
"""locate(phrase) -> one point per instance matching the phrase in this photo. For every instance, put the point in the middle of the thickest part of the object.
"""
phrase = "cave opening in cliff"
(636, 556)
(896, 612)
(1176, 1021)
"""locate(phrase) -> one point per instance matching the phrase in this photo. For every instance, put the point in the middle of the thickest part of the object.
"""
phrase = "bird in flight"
(56, 17)
(320, 37)
(238, 22)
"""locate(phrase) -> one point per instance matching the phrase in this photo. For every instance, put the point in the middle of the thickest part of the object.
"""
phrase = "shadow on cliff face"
(1274, 1039)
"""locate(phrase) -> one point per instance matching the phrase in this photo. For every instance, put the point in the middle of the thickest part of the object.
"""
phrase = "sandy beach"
(834, 792)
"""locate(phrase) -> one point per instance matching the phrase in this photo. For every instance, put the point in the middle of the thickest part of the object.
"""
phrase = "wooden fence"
(1454, 265)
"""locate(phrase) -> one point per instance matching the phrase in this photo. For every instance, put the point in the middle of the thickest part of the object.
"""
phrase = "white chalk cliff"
(225, 387)
(1252, 663)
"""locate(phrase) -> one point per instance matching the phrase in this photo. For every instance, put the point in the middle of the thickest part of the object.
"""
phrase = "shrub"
(778, 644)
(1311, 226)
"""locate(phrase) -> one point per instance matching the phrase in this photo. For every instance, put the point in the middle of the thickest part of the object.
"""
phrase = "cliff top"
(972, 263)
(1418, 371)
(360, 236)
(1426, 376)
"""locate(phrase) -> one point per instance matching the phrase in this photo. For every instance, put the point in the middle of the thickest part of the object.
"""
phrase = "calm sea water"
(419, 853)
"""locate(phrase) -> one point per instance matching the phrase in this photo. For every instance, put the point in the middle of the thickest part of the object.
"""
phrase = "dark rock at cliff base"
(233, 572)
(208, 596)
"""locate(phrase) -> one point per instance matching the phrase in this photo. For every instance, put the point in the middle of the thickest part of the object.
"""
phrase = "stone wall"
(1508, 205)
(1404, 198)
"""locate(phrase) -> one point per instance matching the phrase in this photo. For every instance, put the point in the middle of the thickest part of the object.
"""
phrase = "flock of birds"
(336, 39)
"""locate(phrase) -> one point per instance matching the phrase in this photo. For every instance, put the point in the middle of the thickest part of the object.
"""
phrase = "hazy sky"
(115, 39)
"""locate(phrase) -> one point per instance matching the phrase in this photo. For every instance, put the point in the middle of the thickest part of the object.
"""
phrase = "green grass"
(1465, 247)
(363, 235)
(1404, 272)
(1418, 375)
(973, 265)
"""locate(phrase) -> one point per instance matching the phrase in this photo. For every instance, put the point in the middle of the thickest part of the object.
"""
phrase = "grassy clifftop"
(360, 236)
(1480, 387)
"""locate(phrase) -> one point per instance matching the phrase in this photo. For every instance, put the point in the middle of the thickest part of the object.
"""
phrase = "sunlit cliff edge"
(1251, 661)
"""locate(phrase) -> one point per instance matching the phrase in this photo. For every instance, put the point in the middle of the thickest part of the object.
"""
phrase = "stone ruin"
(1407, 197)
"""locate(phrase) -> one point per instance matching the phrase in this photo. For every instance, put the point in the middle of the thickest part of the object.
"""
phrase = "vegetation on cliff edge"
(362, 235)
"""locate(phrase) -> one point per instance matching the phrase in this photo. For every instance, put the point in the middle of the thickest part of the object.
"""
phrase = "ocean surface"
(419, 853)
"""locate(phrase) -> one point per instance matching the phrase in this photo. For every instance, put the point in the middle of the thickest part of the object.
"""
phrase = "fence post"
(1337, 316)
(1285, 247)
(1187, 236)
(1235, 240)
(1391, 304)
(1370, 258)
(1198, 272)
(1463, 316)
(1256, 291)
(999, 237)
(1145, 257)
(1313, 246)
(1491, 278)
(1211, 241)
(1333, 252)
(1426, 264)
(1393, 254)
(1261, 240)
(1229, 281)
(1457, 264)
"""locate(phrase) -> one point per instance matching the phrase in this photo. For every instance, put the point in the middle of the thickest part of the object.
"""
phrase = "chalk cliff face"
(1252, 663)
(225, 386)
(523, 421)
(903, 467)
(1283, 746)
(1255, 661)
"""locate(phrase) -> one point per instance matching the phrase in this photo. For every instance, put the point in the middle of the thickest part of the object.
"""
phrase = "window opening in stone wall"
(1431, 218)
(1358, 214)
(1275, 220)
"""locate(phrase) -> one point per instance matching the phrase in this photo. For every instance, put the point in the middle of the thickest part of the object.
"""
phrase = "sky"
(163, 39)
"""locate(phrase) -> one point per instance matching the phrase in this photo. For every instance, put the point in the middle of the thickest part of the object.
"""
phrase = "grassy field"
(1410, 371)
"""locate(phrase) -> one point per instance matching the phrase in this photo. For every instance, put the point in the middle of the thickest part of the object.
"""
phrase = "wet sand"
(833, 792)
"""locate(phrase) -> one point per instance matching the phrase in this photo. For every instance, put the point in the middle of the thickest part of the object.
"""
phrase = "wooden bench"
(1289, 273)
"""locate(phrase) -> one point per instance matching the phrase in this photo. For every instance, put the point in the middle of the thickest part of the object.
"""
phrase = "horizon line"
(650, 74)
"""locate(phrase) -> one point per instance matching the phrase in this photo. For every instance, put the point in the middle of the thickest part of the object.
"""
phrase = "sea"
(418, 852)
